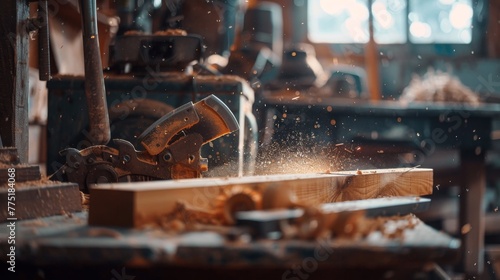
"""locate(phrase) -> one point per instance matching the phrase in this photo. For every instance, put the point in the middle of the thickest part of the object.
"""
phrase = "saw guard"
(210, 118)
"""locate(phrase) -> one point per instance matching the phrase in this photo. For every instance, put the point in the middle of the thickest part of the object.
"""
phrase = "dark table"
(66, 247)
(386, 127)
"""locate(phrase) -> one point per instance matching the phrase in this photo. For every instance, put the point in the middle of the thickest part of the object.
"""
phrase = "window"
(443, 21)
(428, 21)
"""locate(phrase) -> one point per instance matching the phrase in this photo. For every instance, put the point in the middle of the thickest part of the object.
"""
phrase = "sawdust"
(134, 33)
(8, 160)
(44, 182)
(85, 200)
(465, 229)
(347, 225)
(304, 158)
(438, 87)
(171, 32)
(392, 227)
(293, 151)
(166, 32)
(18, 165)
(185, 217)
(351, 226)
(355, 226)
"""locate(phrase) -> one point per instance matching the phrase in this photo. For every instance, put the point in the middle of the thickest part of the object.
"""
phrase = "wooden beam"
(23, 173)
(38, 199)
(140, 203)
(14, 76)
(471, 211)
(9, 159)
(372, 60)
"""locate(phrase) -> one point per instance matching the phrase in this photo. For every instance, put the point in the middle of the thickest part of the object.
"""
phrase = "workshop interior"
(250, 139)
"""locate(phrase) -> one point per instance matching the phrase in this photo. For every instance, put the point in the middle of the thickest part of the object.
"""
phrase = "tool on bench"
(171, 148)
(171, 145)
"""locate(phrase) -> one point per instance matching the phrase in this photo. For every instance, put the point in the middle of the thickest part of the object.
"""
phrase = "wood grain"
(383, 182)
(136, 204)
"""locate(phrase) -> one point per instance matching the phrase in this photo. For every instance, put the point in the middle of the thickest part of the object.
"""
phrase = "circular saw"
(171, 148)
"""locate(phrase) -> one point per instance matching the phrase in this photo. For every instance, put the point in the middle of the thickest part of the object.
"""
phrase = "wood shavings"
(134, 33)
(465, 229)
(67, 214)
(349, 226)
(35, 183)
(171, 32)
(8, 157)
(184, 217)
(394, 227)
(85, 200)
(438, 87)
(5, 164)
(359, 226)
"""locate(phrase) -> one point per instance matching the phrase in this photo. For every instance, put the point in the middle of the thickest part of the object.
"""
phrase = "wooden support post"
(136, 204)
(472, 189)
(372, 60)
(14, 76)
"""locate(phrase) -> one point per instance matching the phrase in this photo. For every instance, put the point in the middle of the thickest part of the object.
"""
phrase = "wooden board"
(136, 204)
(41, 201)
(22, 173)
(10, 165)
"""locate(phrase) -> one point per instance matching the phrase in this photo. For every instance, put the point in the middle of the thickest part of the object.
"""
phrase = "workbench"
(389, 127)
(66, 247)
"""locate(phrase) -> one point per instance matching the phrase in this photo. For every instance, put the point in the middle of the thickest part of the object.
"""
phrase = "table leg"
(471, 223)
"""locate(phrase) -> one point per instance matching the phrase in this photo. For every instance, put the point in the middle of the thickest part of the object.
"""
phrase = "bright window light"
(429, 21)
(346, 21)
(443, 21)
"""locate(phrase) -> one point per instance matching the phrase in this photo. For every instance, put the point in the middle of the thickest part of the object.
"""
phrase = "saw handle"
(95, 92)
